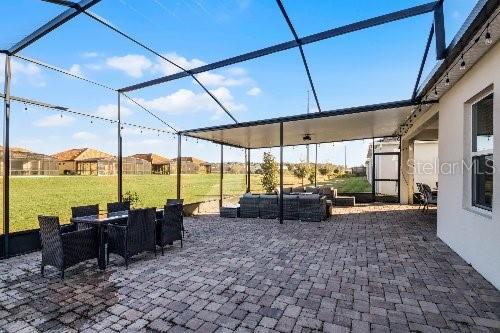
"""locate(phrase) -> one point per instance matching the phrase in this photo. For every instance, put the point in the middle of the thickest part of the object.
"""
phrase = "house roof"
(68, 155)
(377, 120)
(23, 153)
(81, 154)
(154, 159)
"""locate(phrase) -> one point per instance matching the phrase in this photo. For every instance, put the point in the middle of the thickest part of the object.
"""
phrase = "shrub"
(132, 197)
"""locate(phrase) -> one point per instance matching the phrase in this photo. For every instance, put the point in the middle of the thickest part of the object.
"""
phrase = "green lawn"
(31, 196)
(349, 184)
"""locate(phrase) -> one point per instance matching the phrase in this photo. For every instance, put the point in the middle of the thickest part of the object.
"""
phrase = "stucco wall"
(474, 236)
(426, 163)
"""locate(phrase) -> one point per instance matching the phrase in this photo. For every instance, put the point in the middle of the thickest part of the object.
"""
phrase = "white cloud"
(110, 111)
(76, 69)
(218, 80)
(166, 68)
(94, 67)
(90, 54)
(184, 100)
(29, 71)
(255, 91)
(54, 120)
(132, 64)
(85, 136)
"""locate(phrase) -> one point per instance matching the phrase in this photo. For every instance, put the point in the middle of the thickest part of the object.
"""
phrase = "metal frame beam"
(100, 20)
(52, 25)
(330, 113)
(422, 63)
(365, 24)
(301, 49)
(6, 154)
(221, 191)
(179, 165)
(281, 174)
(248, 170)
(439, 30)
(120, 151)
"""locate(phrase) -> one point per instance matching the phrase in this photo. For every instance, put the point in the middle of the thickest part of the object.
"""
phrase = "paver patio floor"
(378, 267)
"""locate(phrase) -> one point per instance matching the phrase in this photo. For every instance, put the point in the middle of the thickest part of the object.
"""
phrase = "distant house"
(24, 162)
(85, 161)
(190, 164)
(159, 165)
(136, 166)
(359, 170)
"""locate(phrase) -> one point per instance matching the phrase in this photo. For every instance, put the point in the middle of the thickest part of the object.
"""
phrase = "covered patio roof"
(362, 122)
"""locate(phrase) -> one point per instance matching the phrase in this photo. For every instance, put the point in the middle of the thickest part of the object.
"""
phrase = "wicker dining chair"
(169, 228)
(137, 236)
(181, 203)
(113, 207)
(429, 198)
(420, 195)
(88, 210)
(64, 246)
(80, 211)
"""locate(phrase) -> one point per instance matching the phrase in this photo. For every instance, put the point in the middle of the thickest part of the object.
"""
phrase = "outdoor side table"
(230, 211)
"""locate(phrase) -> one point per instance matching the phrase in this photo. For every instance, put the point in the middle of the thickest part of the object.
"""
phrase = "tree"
(270, 171)
(301, 171)
(311, 176)
(325, 169)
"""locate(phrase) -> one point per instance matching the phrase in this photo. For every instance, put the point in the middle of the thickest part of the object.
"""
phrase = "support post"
(281, 174)
(439, 31)
(248, 171)
(221, 192)
(179, 140)
(316, 166)
(6, 155)
(399, 171)
(373, 169)
(120, 152)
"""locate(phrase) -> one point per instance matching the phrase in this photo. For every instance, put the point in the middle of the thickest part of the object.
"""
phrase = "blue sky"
(370, 66)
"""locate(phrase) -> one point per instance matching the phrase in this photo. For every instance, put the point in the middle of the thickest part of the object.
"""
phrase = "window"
(482, 153)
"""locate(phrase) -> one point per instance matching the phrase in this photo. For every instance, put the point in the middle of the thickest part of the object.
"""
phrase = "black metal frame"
(374, 169)
(482, 10)
(349, 28)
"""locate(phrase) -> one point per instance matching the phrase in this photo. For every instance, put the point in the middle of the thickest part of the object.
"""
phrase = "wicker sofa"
(306, 207)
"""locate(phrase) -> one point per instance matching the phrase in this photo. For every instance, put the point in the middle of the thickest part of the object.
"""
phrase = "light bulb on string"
(447, 80)
(487, 36)
(462, 64)
(435, 91)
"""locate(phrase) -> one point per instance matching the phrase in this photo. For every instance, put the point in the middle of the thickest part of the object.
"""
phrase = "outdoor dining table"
(101, 222)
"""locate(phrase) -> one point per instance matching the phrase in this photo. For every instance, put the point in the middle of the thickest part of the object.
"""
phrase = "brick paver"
(369, 268)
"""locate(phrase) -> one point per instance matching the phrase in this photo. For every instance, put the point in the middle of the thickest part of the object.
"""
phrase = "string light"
(487, 36)
(447, 81)
(462, 64)
(435, 91)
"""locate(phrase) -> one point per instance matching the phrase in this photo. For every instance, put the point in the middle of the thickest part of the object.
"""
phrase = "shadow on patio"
(368, 267)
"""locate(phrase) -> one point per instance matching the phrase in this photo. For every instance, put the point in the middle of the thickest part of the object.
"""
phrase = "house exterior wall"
(473, 234)
(67, 167)
(426, 163)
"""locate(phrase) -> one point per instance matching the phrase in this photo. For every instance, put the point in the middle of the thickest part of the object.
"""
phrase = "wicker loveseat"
(312, 207)
(249, 206)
